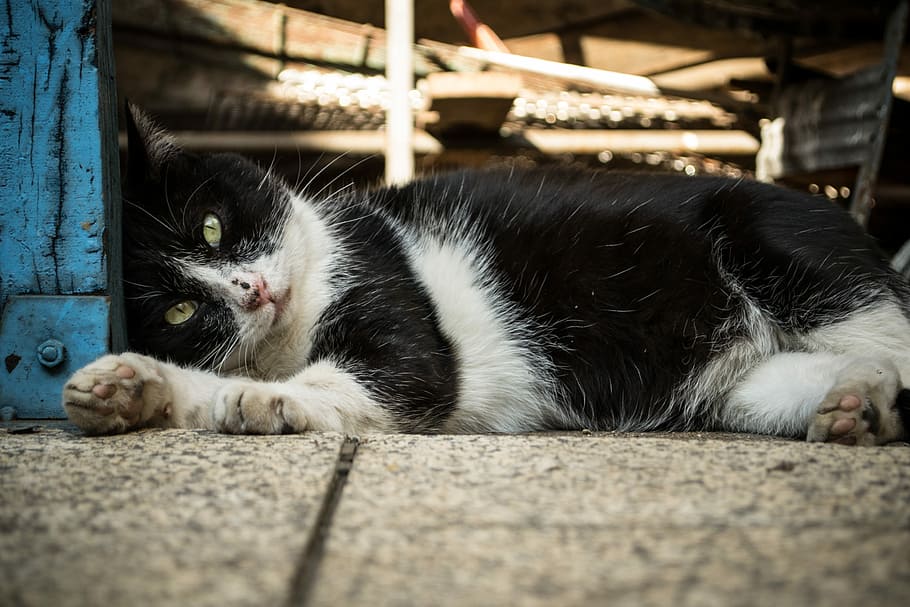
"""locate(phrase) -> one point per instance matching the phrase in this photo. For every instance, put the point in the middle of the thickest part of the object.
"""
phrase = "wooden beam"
(266, 28)
(721, 143)
(59, 199)
(471, 102)
(338, 142)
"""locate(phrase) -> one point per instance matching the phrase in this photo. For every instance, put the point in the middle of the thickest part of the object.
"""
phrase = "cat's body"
(496, 301)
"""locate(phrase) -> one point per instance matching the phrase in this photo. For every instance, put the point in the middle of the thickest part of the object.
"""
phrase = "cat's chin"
(281, 305)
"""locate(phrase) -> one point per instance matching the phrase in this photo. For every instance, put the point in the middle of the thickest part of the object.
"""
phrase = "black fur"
(385, 328)
(619, 273)
(903, 409)
(165, 200)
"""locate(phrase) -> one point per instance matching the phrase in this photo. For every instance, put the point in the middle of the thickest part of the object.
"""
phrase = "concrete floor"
(196, 518)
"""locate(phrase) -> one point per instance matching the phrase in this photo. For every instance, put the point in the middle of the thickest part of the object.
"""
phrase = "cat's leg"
(823, 396)
(323, 396)
(122, 392)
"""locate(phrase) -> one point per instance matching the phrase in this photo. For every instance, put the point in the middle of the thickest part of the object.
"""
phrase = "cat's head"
(206, 269)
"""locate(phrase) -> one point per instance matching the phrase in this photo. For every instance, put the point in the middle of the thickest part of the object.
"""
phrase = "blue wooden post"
(59, 200)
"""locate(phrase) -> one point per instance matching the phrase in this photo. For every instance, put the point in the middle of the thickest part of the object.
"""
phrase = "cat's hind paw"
(246, 407)
(116, 393)
(861, 409)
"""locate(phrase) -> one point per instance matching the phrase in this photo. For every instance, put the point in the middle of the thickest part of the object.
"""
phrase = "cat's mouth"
(257, 295)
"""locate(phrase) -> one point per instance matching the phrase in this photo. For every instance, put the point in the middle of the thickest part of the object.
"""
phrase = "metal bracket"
(43, 340)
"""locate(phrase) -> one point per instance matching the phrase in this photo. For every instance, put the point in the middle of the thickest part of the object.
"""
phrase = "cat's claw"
(860, 410)
(246, 407)
(116, 393)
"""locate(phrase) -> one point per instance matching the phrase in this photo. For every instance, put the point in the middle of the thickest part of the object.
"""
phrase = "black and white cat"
(500, 301)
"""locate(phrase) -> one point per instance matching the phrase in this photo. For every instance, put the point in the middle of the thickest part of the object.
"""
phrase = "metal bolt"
(51, 353)
(7, 414)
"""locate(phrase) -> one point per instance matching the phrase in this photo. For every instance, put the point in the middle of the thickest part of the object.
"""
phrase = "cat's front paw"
(861, 409)
(116, 393)
(246, 407)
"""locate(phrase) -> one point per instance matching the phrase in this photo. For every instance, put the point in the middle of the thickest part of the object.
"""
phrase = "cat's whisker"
(299, 167)
(327, 166)
(190, 198)
(170, 229)
(268, 171)
(137, 284)
(226, 352)
(300, 178)
(167, 200)
(147, 296)
(220, 353)
(331, 196)
(343, 173)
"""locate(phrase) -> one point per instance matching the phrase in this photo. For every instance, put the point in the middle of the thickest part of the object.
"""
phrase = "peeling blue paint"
(58, 193)
(37, 320)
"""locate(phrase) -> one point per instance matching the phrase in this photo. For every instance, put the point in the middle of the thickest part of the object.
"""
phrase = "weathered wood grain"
(52, 178)
(59, 184)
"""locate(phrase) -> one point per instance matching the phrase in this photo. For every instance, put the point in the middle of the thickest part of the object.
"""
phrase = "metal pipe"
(399, 17)
(629, 84)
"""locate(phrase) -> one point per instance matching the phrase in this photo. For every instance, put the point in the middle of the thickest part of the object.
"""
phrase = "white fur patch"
(780, 395)
(725, 370)
(878, 331)
(332, 399)
(313, 254)
(300, 270)
(503, 386)
(321, 397)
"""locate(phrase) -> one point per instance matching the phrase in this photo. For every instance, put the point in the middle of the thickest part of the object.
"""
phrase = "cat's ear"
(149, 147)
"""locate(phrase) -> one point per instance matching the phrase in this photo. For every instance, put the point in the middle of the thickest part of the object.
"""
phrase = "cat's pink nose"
(264, 295)
(256, 291)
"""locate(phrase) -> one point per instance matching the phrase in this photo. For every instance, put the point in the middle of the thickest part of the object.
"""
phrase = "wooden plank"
(730, 143)
(340, 142)
(53, 182)
(270, 29)
(714, 74)
(473, 102)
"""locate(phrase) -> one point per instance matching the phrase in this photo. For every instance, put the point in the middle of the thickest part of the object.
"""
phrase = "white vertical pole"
(399, 152)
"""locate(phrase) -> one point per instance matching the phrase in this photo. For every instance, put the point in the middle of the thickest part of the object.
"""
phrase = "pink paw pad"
(104, 391)
(850, 402)
(842, 426)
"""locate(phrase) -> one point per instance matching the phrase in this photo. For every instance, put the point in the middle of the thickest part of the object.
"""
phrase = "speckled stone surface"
(619, 520)
(156, 518)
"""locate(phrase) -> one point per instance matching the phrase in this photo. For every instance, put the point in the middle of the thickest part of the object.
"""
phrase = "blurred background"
(794, 92)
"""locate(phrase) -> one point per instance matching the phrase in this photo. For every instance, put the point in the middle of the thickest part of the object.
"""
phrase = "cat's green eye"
(180, 313)
(211, 230)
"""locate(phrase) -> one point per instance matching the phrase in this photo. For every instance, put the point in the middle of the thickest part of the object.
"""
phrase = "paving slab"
(157, 517)
(620, 520)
